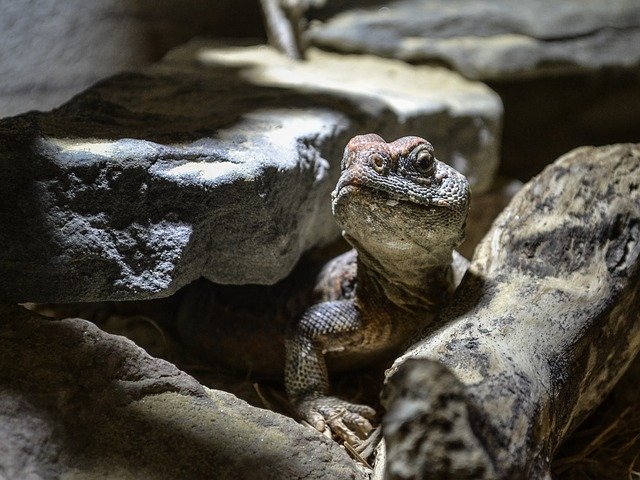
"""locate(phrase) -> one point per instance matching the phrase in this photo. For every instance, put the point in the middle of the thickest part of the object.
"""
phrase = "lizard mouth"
(384, 195)
(349, 186)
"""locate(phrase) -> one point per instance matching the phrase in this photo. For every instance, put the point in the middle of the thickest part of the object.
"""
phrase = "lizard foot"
(348, 421)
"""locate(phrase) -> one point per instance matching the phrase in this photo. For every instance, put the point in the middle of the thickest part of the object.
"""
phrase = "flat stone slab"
(78, 403)
(490, 40)
(216, 162)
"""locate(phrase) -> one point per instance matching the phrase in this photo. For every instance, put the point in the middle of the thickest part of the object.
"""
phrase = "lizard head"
(397, 196)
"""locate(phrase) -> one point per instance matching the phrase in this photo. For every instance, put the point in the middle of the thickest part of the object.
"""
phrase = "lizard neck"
(415, 279)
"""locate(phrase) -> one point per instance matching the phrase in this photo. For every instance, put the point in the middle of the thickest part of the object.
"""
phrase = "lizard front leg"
(325, 327)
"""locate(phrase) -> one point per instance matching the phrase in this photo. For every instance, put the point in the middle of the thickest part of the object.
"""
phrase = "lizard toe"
(363, 410)
(358, 423)
(348, 421)
(339, 428)
(315, 419)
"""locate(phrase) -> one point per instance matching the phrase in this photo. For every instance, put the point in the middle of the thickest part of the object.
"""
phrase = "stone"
(78, 403)
(489, 40)
(216, 162)
(54, 49)
(541, 328)
(568, 73)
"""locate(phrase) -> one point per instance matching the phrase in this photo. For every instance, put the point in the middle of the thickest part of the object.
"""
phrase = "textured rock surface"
(76, 402)
(490, 39)
(215, 162)
(543, 325)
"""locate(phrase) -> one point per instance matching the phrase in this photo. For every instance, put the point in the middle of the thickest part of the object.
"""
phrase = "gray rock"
(491, 39)
(541, 328)
(77, 403)
(54, 49)
(217, 163)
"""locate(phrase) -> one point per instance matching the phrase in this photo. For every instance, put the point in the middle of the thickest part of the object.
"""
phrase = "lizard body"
(404, 212)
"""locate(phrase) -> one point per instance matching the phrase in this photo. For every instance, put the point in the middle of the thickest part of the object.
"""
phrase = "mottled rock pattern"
(489, 39)
(216, 163)
(543, 325)
(448, 450)
(78, 403)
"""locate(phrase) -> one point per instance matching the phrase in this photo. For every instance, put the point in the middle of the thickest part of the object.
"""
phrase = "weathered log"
(543, 325)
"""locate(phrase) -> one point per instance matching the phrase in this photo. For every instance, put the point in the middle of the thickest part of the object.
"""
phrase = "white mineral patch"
(98, 147)
(407, 89)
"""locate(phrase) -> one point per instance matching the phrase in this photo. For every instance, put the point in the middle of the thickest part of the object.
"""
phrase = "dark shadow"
(544, 118)
(606, 444)
(241, 327)
(168, 24)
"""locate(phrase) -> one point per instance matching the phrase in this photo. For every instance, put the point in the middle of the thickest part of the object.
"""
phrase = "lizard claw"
(348, 421)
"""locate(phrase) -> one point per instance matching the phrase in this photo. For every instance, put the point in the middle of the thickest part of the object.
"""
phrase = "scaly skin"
(404, 212)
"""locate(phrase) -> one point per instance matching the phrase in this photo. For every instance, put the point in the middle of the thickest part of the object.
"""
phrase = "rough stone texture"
(54, 49)
(543, 325)
(216, 162)
(489, 39)
(460, 118)
(77, 403)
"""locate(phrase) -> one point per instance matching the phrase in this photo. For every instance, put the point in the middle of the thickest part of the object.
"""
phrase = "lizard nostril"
(377, 162)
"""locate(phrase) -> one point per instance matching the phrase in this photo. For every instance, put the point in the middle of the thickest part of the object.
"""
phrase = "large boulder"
(78, 403)
(216, 162)
(489, 39)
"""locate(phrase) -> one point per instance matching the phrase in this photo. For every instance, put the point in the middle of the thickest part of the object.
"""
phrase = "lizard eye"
(423, 160)
(377, 162)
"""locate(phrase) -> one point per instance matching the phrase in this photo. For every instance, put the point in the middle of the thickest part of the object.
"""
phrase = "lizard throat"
(414, 279)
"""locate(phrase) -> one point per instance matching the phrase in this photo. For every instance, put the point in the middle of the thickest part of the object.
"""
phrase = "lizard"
(404, 212)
